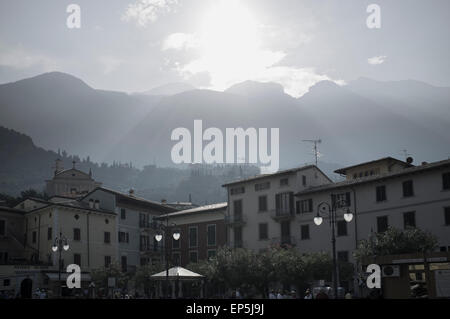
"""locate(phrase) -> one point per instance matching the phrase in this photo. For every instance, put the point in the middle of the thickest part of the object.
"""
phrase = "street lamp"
(159, 236)
(331, 211)
(59, 245)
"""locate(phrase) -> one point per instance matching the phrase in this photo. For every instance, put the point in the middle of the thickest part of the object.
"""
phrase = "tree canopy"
(256, 272)
(395, 242)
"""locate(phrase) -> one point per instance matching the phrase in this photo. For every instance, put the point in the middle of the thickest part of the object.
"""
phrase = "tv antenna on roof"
(315, 150)
(405, 154)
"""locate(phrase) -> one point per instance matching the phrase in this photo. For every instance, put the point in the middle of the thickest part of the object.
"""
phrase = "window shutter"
(310, 203)
(347, 199)
(277, 201)
(297, 207)
(291, 203)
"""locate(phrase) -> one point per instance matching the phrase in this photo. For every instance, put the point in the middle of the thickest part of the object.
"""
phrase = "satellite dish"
(409, 160)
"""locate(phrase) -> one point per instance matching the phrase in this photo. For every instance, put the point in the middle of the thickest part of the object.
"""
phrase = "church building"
(70, 182)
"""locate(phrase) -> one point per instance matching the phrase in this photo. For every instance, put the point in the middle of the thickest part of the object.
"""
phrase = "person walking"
(272, 295)
(308, 294)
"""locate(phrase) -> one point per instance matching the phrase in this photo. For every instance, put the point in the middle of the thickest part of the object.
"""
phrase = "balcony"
(281, 215)
(150, 250)
(284, 241)
(146, 225)
(235, 220)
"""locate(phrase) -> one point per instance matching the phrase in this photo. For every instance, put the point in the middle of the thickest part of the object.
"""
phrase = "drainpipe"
(355, 216)
(88, 254)
(39, 241)
(227, 232)
(356, 233)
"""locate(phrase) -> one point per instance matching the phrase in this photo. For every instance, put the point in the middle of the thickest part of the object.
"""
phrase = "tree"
(254, 273)
(395, 242)
(12, 201)
(32, 193)
(142, 277)
(100, 277)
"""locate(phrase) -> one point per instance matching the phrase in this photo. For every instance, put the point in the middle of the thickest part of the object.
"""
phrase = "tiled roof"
(369, 179)
(262, 176)
(71, 204)
(12, 210)
(200, 209)
(133, 197)
(342, 170)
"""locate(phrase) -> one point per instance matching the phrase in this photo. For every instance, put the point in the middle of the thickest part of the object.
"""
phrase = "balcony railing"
(282, 214)
(284, 241)
(150, 249)
(146, 224)
(235, 220)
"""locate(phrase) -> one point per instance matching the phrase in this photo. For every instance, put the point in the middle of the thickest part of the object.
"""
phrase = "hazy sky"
(134, 45)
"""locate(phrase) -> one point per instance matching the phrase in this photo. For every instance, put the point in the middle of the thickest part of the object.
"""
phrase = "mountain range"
(360, 121)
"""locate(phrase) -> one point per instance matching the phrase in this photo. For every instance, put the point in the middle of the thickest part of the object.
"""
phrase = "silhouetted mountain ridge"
(362, 120)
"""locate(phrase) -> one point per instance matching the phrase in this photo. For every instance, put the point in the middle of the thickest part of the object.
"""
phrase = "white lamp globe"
(318, 220)
(158, 237)
(176, 235)
(348, 216)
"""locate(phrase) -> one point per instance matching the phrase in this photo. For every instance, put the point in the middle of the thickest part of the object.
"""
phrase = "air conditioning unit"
(390, 271)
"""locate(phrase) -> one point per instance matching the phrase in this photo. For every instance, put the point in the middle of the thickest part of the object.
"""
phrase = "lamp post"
(325, 208)
(59, 245)
(164, 229)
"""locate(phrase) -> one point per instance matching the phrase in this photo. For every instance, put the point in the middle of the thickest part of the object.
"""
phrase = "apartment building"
(89, 231)
(261, 209)
(28, 233)
(279, 209)
(380, 194)
(202, 231)
(407, 196)
(135, 231)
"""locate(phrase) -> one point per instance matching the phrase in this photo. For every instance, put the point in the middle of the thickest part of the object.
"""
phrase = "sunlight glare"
(230, 46)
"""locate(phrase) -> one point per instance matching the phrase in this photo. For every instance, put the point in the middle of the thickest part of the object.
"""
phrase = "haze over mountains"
(169, 89)
(363, 120)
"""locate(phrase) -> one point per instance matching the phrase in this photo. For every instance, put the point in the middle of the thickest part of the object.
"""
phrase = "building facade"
(409, 196)
(70, 182)
(202, 232)
(136, 245)
(261, 210)
(380, 194)
(30, 233)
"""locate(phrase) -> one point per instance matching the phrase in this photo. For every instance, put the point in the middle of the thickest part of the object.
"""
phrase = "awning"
(178, 273)
(54, 276)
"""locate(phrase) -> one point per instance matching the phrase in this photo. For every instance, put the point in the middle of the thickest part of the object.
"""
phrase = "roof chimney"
(131, 192)
(424, 163)
(163, 201)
